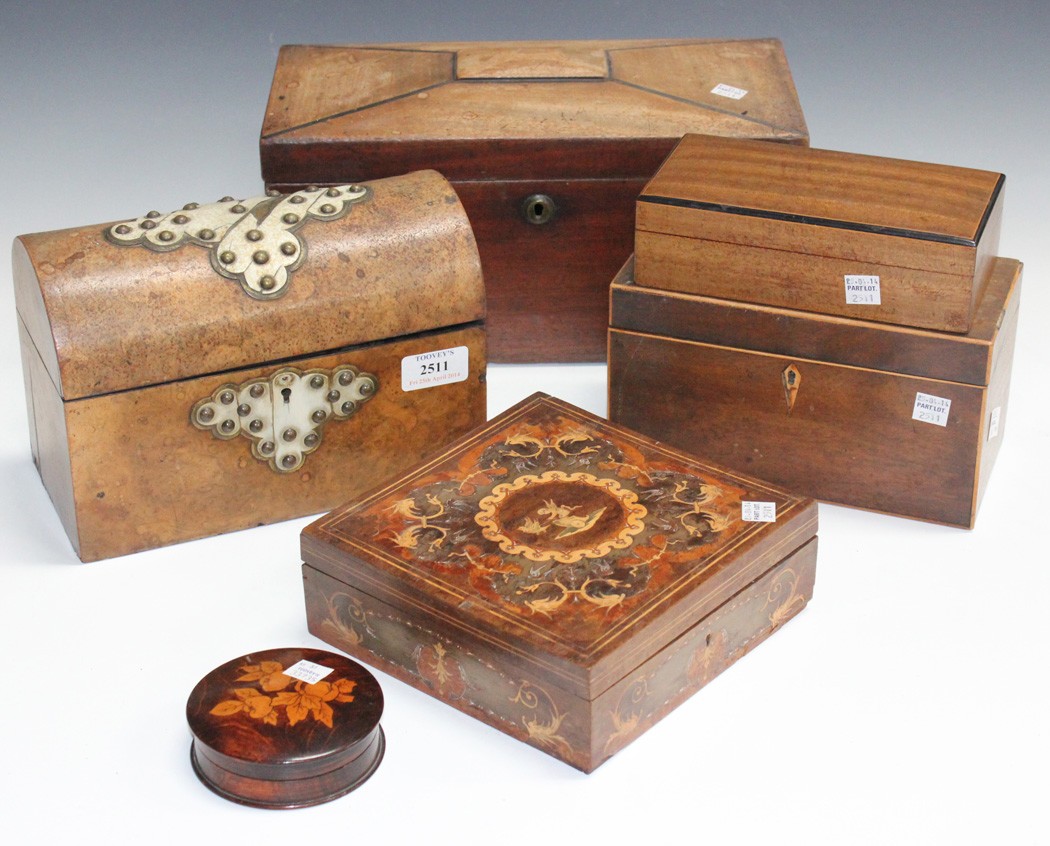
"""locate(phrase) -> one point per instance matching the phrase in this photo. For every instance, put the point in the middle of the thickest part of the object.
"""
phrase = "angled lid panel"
(514, 130)
(314, 84)
(752, 76)
(571, 100)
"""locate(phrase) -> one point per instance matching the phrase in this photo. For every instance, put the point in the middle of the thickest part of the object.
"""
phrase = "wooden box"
(564, 580)
(246, 361)
(836, 233)
(883, 417)
(547, 143)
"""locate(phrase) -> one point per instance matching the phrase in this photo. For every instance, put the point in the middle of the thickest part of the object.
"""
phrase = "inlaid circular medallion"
(561, 517)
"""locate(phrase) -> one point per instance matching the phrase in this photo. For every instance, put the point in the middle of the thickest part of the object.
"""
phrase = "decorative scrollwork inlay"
(254, 242)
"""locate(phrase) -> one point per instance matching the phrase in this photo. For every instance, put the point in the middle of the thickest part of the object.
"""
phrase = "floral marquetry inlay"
(551, 518)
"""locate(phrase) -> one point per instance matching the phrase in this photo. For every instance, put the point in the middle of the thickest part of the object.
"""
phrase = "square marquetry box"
(562, 579)
(547, 143)
(246, 361)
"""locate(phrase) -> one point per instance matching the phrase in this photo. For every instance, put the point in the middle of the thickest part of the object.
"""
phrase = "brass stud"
(244, 409)
(123, 229)
(290, 218)
(319, 416)
(147, 224)
(288, 248)
(227, 426)
(357, 189)
(348, 407)
(191, 206)
(153, 214)
(311, 187)
(297, 198)
(317, 381)
(346, 377)
(273, 192)
(257, 390)
(332, 192)
(266, 447)
(267, 283)
(260, 256)
(206, 414)
(238, 209)
(311, 440)
(206, 234)
(253, 235)
(289, 434)
(327, 208)
(226, 397)
(332, 396)
(289, 461)
(367, 387)
(255, 426)
(226, 199)
(227, 257)
(180, 219)
(166, 235)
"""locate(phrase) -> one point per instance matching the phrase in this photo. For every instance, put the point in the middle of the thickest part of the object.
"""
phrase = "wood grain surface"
(589, 551)
(585, 122)
(783, 226)
(404, 261)
(120, 342)
(847, 435)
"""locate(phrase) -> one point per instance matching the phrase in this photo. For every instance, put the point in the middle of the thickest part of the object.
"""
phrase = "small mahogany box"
(547, 143)
(836, 233)
(883, 417)
(564, 580)
(246, 361)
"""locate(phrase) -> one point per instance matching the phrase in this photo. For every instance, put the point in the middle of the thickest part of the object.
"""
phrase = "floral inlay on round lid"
(284, 728)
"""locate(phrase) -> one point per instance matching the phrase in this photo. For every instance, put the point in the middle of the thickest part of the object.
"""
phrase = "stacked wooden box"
(838, 324)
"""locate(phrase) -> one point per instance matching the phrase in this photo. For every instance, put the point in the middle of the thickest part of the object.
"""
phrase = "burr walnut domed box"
(562, 579)
(241, 362)
(286, 728)
(547, 142)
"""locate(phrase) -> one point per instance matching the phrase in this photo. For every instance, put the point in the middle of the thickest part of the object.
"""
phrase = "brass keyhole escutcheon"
(791, 379)
(538, 209)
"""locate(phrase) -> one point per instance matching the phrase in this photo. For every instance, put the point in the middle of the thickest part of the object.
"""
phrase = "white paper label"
(931, 409)
(430, 369)
(307, 671)
(863, 290)
(758, 512)
(730, 91)
(993, 422)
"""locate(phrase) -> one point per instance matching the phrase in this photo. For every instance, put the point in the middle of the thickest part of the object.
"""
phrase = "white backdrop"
(907, 703)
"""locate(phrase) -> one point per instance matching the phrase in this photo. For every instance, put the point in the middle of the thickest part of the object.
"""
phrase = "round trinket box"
(286, 728)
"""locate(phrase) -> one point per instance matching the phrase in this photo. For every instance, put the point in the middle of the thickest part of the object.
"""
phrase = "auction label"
(863, 290)
(931, 409)
(307, 671)
(730, 91)
(758, 512)
(431, 369)
(993, 422)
